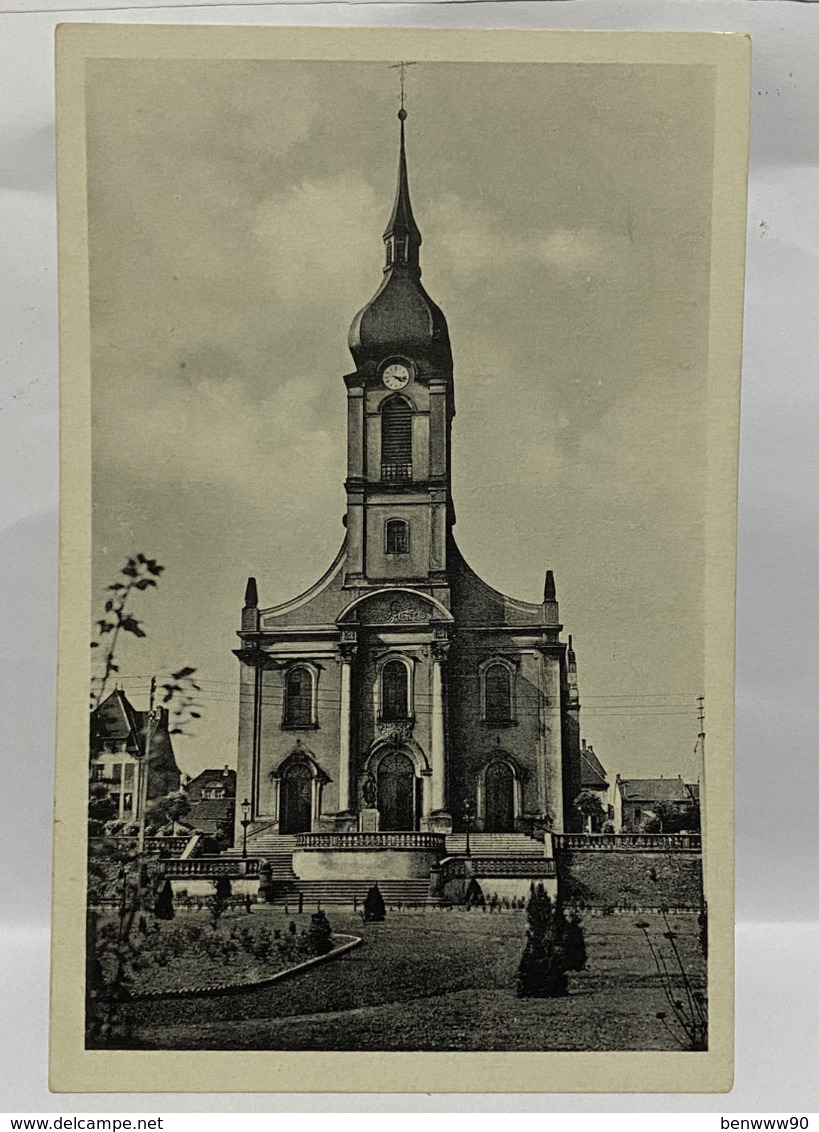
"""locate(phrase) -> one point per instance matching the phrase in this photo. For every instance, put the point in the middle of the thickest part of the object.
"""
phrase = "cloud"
(321, 241)
(581, 249)
(469, 239)
(209, 435)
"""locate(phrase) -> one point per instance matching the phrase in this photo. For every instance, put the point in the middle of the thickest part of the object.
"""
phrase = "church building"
(401, 694)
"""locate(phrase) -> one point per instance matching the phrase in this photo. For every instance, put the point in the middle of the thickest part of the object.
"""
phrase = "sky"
(235, 219)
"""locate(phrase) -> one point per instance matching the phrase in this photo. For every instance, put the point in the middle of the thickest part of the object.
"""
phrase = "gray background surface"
(778, 936)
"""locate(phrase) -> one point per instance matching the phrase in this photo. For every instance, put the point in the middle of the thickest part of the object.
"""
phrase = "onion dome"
(401, 318)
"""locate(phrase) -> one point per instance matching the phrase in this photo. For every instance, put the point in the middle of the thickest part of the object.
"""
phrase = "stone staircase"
(494, 845)
(336, 893)
(277, 848)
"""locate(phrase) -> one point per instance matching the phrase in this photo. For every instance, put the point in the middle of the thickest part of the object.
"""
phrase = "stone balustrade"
(645, 842)
(207, 867)
(533, 868)
(357, 841)
(166, 846)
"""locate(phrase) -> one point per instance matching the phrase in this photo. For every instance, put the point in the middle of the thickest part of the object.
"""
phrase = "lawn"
(436, 980)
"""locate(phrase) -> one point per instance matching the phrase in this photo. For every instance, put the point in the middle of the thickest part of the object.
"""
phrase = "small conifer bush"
(554, 946)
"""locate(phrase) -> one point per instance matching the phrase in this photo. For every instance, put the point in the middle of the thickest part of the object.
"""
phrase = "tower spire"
(402, 237)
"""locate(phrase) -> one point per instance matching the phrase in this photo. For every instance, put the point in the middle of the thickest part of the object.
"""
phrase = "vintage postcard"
(360, 779)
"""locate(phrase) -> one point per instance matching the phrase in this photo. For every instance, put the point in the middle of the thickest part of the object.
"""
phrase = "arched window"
(397, 536)
(497, 694)
(298, 698)
(396, 440)
(394, 690)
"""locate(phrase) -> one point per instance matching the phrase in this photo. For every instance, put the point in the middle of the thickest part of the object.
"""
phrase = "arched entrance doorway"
(295, 805)
(500, 799)
(396, 792)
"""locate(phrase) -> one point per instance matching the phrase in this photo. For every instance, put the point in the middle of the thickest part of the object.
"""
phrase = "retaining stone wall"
(630, 878)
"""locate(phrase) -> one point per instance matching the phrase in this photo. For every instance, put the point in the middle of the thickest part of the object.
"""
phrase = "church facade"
(401, 693)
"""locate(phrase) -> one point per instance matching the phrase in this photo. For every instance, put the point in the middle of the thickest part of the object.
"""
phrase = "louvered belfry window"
(396, 440)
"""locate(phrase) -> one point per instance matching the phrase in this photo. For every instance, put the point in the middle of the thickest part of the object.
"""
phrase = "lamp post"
(245, 824)
(468, 815)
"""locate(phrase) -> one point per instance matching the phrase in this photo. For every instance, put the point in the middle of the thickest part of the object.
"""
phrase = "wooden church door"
(396, 792)
(500, 799)
(295, 811)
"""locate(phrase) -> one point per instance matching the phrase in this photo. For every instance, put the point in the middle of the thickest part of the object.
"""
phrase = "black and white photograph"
(409, 560)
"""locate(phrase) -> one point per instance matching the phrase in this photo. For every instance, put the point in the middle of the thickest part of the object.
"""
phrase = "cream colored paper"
(72, 1067)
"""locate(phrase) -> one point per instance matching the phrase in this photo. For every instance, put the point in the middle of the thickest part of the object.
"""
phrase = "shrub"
(263, 945)
(230, 949)
(177, 943)
(161, 957)
(553, 947)
(220, 901)
(194, 934)
(163, 906)
(293, 948)
(374, 908)
(575, 944)
(319, 935)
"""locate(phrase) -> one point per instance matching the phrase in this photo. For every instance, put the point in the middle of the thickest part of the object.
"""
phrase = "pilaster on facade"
(346, 650)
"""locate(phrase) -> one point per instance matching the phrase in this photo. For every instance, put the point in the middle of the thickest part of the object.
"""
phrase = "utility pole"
(701, 744)
(142, 797)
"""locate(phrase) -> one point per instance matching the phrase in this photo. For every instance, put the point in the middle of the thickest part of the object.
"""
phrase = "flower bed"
(190, 957)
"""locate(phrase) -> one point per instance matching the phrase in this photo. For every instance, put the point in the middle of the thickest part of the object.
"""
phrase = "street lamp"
(245, 824)
(468, 814)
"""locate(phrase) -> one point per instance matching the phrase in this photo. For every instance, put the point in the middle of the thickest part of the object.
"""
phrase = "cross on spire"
(402, 70)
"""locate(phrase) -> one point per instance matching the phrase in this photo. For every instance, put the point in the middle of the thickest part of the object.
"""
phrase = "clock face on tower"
(395, 376)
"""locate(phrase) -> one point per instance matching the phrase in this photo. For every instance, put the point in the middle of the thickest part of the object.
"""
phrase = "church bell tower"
(400, 407)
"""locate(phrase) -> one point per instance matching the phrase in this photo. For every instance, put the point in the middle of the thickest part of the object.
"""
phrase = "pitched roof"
(209, 814)
(654, 790)
(220, 776)
(117, 719)
(114, 718)
(592, 772)
(215, 809)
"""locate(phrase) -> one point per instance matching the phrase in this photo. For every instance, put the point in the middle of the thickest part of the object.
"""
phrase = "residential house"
(212, 795)
(641, 802)
(117, 735)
